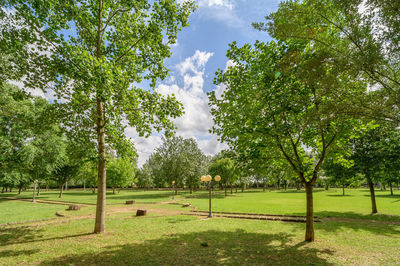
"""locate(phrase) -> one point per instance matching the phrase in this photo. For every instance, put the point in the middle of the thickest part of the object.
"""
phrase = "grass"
(164, 237)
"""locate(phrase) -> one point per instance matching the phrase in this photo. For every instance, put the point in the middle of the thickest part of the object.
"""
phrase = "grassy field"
(167, 236)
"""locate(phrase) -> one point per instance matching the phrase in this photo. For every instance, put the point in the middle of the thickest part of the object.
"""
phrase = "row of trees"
(92, 56)
(34, 146)
(314, 94)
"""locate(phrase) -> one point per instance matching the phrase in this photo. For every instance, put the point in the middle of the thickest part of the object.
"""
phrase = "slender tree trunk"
(176, 191)
(2, 191)
(19, 190)
(66, 186)
(191, 190)
(343, 189)
(6, 189)
(10, 189)
(93, 189)
(231, 189)
(391, 188)
(47, 185)
(84, 185)
(61, 191)
(100, 123)
(372, 192)
(310, 213)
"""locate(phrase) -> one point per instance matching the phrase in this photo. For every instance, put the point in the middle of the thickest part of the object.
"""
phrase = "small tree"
(225, 168)
(121, 173)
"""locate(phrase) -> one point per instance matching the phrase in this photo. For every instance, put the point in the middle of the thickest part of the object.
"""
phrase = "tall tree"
(93, 55)
(268, 101)
(359, 37)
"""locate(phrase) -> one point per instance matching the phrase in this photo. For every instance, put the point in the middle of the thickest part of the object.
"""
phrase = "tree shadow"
(340, 195)
(379, 224)
(27, 234)
(208, 247)
(13, 253)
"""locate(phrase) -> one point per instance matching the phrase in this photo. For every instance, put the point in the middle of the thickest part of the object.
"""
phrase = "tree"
(339, 173)
(267, 101)
(360, 37)
(121, 173)
(92, 55)
(179, 160)
(225, 168)
(144, 177)
(375, 153)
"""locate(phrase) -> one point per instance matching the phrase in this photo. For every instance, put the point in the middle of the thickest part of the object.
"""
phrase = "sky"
(199, 52)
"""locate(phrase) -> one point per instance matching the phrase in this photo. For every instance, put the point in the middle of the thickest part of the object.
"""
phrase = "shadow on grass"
(13, 253)
(379, 224)
(345, 195)
(208, 247)
(19, 235)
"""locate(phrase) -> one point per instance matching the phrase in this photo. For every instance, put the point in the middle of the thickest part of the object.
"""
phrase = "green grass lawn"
(352, 237)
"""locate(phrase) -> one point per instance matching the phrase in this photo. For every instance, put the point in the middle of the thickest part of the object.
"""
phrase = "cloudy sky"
(200, 51)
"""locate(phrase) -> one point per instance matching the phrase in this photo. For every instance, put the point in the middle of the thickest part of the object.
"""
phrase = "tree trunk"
(61, 191)
(343, 189)
(310, 213)
(19, 190)
(372, 192)
(101, 145)
(84, 185)
(93, 189)
(66, 186)
(391, 188)
(101, 174)
(6, 189)
(2, 191)
(10, 189)
(176, 191)
(231, 189)
(191, 191)
(243, 188)
(47, 185)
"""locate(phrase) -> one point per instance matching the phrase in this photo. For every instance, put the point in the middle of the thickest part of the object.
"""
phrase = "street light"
(34, 190)
(208, 178)
(173, 189)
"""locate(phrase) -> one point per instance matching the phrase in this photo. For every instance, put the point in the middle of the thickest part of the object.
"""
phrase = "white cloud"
(197, 120)
(217, 3)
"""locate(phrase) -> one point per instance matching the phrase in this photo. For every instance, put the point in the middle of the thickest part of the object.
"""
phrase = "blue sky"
(200, 51)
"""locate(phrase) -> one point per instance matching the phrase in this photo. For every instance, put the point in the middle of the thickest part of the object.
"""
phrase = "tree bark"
(372, 192)
(101, 145)
(343, 189)
(231, 189)
(310, 213)
(391, 188)
(19, 190)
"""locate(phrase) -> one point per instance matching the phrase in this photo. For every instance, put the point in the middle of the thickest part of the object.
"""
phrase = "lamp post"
(208, 179)
(34, 190)
(173, 189)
